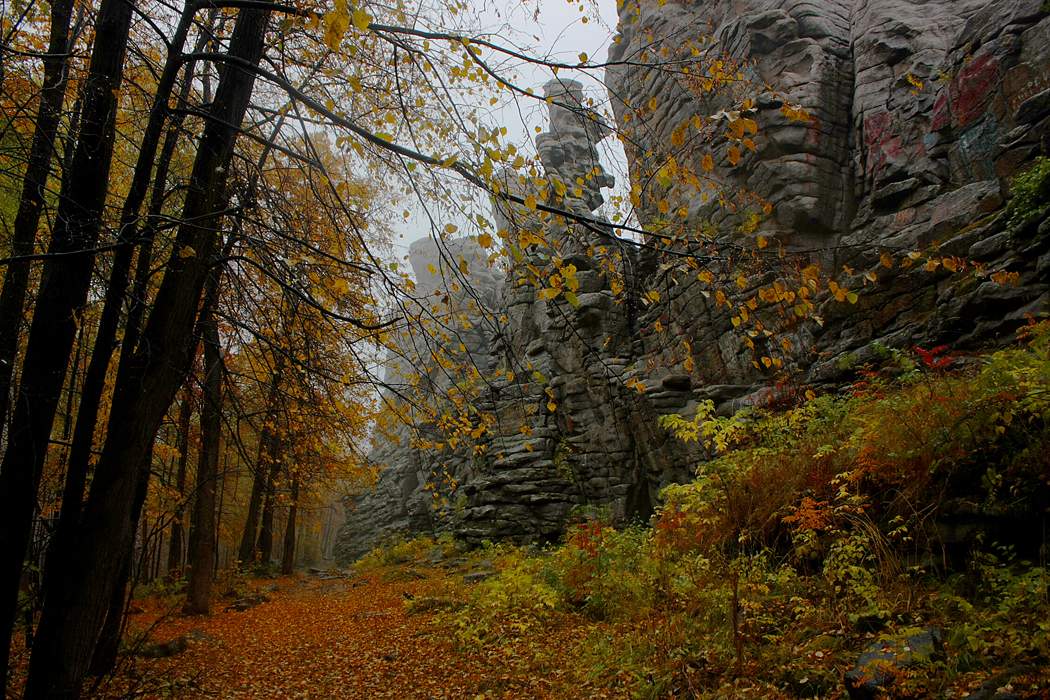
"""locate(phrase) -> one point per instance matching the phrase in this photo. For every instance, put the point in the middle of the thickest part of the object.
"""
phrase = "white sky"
(553, 29)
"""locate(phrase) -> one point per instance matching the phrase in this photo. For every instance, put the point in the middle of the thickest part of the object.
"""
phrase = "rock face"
(919, 112)
(917, 115)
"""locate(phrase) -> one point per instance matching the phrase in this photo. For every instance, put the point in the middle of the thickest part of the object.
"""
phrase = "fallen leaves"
(341, 638)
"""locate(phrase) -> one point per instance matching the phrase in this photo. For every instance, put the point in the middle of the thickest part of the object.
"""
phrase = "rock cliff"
(914, 118)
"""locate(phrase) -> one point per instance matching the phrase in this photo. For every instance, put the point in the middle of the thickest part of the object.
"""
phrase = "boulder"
(884, 659)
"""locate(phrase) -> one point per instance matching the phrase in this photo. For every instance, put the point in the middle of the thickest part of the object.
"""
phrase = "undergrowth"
(913, 502)
(1029, 191)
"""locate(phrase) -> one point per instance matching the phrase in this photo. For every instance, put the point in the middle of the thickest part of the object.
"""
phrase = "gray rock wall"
(920, 112)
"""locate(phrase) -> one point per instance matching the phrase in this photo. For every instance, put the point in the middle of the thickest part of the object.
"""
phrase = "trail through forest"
(326, 636)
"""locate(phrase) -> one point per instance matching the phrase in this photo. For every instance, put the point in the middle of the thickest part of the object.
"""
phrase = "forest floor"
(419, 627)
(333, 635)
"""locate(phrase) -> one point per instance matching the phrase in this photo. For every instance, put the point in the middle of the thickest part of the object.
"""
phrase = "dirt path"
(342, 638)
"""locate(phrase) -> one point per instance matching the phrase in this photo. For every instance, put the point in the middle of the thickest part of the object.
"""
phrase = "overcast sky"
(553, 29)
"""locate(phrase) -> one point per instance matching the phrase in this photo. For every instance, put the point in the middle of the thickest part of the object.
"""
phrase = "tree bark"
(106, 336)
(63, 290)
(176, 545)
(73, 491)
(104, 655)
(265, 545)
(31, 202)
(246, 552)
(288, 553)
(74, 611)
(202, 556)
(104, 658)
(266, 455)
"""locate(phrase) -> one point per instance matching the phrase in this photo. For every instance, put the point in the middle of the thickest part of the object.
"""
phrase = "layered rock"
(918, 115)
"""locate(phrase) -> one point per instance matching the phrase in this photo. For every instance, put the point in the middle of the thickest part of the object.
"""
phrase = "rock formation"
(918, 116)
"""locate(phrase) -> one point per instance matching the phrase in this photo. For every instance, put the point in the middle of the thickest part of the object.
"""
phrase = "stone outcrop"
(918, 116)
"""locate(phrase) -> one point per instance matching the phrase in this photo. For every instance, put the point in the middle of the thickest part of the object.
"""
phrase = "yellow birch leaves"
(339, 19)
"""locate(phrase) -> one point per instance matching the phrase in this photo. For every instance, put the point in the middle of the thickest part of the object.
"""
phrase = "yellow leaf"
(485, 240)
(707, 163)
(886, 260)
(583, 57)
(530, 202)
(451, 228)
(733, 155)
(762, 241)
(548, 293)
(361, 19)
(653, 295)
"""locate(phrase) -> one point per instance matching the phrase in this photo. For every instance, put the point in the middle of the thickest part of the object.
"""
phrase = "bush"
(889, 454)
(401, 551)
(606, 573)
(508, 605)
(1029, 191)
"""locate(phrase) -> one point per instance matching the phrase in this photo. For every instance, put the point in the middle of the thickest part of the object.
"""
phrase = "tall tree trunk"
(31, 203)
(175, 548)
(246, 552)
(202, 556)
(265, 545)
(63, 290)
(74, 610)
(288, 553)
(104, 656)
(106, 337)
(73, 492)
(263, 466)
(220, 480)
(266, 527)
(144, 263)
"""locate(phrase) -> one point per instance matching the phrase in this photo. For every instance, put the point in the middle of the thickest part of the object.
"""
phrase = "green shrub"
(401, 551)
(1029, 191)
(605, 572)
(510, 604)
